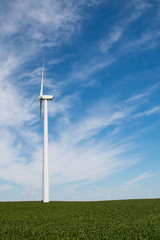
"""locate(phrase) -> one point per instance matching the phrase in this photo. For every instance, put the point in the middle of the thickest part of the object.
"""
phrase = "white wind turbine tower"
(45, 98)
(97, 194)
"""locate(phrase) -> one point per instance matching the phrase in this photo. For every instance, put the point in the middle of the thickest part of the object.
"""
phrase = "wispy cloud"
(110, 40)
(117, 31)
(112, 47)
(63, 105)
(6, 187)
(139, 178)
(155, 109)
(85, 159)
(147, 40)
(16, 110)
(145, 93)
(40, 17)
(74, 156)
(134, 183)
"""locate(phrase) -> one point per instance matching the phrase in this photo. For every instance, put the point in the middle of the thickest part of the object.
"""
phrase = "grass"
(128, 219)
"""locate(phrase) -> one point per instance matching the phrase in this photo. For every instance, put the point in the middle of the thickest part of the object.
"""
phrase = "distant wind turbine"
(97, 194)
(44, 98)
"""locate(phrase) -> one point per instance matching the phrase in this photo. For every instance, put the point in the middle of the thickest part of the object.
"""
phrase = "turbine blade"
(41, 92)
(40, 110)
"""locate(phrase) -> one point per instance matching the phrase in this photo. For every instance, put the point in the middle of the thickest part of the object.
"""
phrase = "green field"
(127, 219)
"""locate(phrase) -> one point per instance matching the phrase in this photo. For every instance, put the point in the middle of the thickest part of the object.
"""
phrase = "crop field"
(127, 219)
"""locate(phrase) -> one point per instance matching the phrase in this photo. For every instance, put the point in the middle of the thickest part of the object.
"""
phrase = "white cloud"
(74, 156)
(144, 93)
(84, 73)
(62, 105)
(16, 109)
(39, 16)
(141, 4)
(48, 22)
(35, 26)
(153, 110)
(131, 183)
(113, 37)
(147, 40)
(101, 118)
(6, 187)
(90, 163)
(140, 178)
(137, 8)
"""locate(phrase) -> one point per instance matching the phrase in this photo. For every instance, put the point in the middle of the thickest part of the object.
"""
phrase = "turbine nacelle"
(45, 97)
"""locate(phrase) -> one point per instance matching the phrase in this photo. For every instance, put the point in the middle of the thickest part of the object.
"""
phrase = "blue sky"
(102, 66)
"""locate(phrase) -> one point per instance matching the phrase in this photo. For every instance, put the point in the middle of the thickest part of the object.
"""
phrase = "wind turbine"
(97, 193)
(45, 98)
